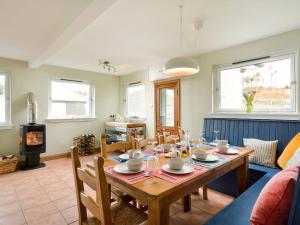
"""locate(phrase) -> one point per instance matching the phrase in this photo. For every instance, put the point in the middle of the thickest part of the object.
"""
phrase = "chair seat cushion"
(122, 214)
(127, 214)
(274, 202)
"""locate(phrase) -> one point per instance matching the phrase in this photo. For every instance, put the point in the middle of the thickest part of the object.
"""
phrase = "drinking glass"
(216, 132)
(152, 164)
(138, 140)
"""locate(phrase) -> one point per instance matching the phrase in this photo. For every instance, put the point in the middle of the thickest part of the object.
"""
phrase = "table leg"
(204, 189)
(158, 213)
(242, 176)
(187, 203)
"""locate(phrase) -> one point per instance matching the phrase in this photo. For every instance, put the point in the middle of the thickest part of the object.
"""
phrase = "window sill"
(63, 120)
(244, 115)
(6, 127)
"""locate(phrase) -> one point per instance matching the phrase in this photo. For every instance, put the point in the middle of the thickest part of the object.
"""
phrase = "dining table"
(161, 189)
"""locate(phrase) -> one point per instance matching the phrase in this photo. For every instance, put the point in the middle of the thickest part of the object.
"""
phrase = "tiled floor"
(46, 196)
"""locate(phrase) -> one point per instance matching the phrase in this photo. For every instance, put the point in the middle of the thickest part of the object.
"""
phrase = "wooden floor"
(46, 196)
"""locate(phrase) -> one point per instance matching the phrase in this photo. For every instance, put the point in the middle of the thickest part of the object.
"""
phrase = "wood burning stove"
(32, 143)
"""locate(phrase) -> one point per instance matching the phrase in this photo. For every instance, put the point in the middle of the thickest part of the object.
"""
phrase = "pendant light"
(181, 66)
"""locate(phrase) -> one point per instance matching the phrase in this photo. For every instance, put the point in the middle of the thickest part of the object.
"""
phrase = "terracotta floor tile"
(29, 193)
(75, 223)
(55, 219)
(40, 212)
(9, 198)
(16, 219)
(35, 200)
(60, 193)
(66, 202)
(9, 209)
(71, 214)
(55, 186)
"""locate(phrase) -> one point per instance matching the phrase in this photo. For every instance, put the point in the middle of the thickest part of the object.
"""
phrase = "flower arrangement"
(249, 98)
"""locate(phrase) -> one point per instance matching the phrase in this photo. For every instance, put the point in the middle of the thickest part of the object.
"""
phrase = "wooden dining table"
(158, 194)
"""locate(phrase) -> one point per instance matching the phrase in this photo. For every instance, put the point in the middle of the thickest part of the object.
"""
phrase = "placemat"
(129, 178)
(174, 178)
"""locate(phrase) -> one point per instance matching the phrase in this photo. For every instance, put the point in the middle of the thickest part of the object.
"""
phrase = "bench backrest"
(234, 130)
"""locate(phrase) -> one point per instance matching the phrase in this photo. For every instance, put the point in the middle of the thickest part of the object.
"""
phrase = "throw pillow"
(289, 151)
(273, 205)
(264, 151)
(295, 160)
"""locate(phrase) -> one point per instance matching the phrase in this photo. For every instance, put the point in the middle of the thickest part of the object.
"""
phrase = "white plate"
(230, 151)
(125, 156)
(185, 169)
(122, 168)
(209, 158)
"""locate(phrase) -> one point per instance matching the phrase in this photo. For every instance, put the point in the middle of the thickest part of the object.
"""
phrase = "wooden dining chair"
(120, 213)
(118, 146)
(109, 148)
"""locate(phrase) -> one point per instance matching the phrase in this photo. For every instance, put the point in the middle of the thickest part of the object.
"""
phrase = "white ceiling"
(133, 34)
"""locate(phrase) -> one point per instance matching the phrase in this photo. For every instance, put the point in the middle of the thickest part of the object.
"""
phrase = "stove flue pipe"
(31, 108)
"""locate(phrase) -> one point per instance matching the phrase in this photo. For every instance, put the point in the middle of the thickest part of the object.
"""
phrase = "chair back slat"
(106, 148)
(90, 204)
(99, 207)
(86, 177)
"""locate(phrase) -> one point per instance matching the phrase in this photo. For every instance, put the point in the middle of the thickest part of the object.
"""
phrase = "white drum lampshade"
(181, 66)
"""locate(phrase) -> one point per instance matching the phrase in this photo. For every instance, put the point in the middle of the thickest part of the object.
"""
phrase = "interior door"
(167, 97)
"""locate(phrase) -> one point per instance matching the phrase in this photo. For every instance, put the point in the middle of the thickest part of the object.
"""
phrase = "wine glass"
(216, 132)
(202, 139)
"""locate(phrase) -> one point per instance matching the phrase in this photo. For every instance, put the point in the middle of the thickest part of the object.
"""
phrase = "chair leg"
(205, 197)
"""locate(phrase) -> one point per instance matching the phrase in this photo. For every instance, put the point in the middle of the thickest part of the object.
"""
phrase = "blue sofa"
(234, 130)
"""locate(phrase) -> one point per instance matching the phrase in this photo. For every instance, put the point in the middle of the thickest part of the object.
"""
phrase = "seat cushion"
(126, 214)
(289, 151)
(274, 202)
(239, 211)
(122, 213)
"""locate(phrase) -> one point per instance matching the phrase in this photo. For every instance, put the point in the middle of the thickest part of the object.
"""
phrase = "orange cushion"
(289, 151)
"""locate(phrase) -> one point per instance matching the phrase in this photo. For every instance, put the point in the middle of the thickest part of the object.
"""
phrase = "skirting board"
(61, 155)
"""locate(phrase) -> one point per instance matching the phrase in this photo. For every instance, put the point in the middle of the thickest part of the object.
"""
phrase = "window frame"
(76, 81)
(7, 122)
(132, 84)
(294, 84)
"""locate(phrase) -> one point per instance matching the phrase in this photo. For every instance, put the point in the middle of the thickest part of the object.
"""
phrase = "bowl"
(200, 154)
(176, 163)
(222, 148)
(134, 164)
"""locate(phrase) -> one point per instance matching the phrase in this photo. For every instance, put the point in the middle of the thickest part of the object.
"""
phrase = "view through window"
(70, 99)
(2, 99)
(136, 106)
(269, 81)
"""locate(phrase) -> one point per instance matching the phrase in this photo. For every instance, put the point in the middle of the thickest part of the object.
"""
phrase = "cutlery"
(167, 175)
(146, 174)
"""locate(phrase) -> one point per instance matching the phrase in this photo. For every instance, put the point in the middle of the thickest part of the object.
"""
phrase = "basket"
(9, 165)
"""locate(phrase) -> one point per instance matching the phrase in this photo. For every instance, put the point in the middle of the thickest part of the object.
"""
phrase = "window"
(4, 99)
(71, 99)
(135, 100)
(271, 82)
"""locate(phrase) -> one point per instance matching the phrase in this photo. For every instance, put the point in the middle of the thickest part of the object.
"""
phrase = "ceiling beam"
(88, 15)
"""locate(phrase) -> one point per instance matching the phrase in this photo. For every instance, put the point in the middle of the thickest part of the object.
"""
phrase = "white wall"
(197, 91)
(59, 135)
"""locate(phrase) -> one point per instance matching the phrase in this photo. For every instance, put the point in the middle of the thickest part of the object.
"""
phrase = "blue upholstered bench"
(234, 130)
(238, 212)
